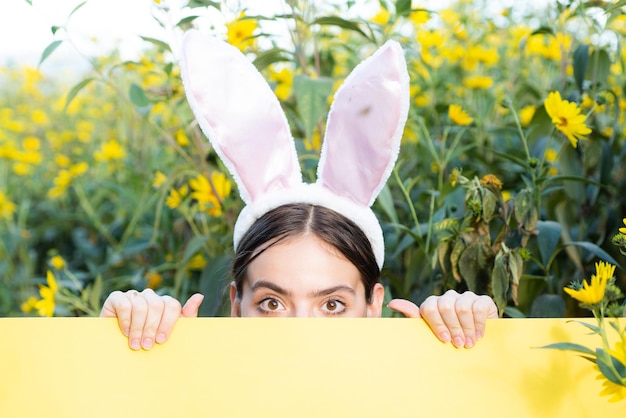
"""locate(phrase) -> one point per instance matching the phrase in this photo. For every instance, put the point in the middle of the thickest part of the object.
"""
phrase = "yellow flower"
(284, 82)
(240, 32)
(615, 392)
(419, 17)
(204, 194)
(45, 305)
(29, 304)
(6, 207)
(31, 143)
(478, 82)
(57, 262)
(382, 17)
(39, 117)
(566, 117)
(197, 262)
(491, 180)
(110, 151)
(526, 115)
(459, 116)
(154, 279)
(623, 230)
(175, 197)
(62, 160)
(181, 138)
(159, 179)
(593, 293)
(454, 177)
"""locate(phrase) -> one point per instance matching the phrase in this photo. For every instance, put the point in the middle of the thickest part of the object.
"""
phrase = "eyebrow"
(318, 293)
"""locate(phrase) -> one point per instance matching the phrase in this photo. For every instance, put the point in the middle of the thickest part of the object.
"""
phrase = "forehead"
(303, 264)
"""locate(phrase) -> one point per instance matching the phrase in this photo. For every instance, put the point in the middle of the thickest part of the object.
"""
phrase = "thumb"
(405, 307)
(190, 310)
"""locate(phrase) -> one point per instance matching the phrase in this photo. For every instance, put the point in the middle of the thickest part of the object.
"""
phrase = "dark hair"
(297, 219)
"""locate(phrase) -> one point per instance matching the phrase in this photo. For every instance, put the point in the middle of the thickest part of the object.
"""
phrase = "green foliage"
(114, 175)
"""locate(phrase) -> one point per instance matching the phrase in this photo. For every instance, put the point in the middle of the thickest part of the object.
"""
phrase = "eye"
(271, 305)
(333, 307)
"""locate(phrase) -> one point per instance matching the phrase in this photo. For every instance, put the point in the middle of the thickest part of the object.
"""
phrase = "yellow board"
(223, 367)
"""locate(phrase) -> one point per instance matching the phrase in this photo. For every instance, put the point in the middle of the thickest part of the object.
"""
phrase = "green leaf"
(29, 2)
(339, 22)
(547, 306)
(186, 21)
(54, 29)
(570, 347)
(75, 90)
(615, 7)
(385, 200)
(403, 7)
(500, 282)
(513, 312)
(266, 58)
(163, 45)
(611, 373)
(76, 8)
(571, 165)
(203, 3)
(312, 99)
(193, 247)
(548, 239)
(594, 328)
(138, 96)
(594, 249)
(49, 50)
(213, 284)
(581, 56)
(599, 68)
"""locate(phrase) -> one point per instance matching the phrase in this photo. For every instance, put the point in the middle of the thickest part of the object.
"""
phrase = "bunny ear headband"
(241, 116)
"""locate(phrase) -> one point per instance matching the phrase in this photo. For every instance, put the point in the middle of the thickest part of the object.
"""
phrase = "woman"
(301, 260)
(301, 250)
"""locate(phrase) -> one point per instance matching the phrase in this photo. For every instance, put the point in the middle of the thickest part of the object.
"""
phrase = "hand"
(146, 318)
(459, 318)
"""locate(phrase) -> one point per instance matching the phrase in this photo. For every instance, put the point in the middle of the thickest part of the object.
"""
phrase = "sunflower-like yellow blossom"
(181, 138)
(57, 262)
(176, 196)
(526, 115)
(566, 117)
(240, 32)
(419, 17)
(284, 82)
(159, 179)
(45, 305)
(382, 17)
(154, 279)
(197, 262)
(592, 293)
(623, 230)
(110, 151)
(459, 116)
(7, 208)
(478, 82)
(207, 198)
(29, 304)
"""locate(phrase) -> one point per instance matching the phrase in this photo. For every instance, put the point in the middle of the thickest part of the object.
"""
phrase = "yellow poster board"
(235, 367)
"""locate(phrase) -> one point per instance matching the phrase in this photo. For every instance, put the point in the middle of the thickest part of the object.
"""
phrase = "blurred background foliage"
(510, 180)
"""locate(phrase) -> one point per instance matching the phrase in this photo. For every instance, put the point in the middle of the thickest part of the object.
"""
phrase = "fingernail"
(458, 342)
(147, 343)
(160, 338)
(126, 331)
(479, 335)
(445, 337)
(135, 344)
(469, 342)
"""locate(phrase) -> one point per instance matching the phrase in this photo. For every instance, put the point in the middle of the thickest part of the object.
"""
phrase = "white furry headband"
(243, 119)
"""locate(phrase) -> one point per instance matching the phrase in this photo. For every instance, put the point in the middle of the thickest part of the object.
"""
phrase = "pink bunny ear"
(365, 125)
(240, 115)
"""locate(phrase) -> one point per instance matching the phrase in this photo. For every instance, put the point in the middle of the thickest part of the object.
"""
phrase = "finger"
(405, 307)
(484, 307)
(153, 318)
(464, 308)
(139, 312)
(118, 306)
(171, 312)
(429, 310)
(190, 310)
(446, 306)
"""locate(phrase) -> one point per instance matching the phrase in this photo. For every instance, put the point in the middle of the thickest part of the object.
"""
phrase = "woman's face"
(304, 277)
